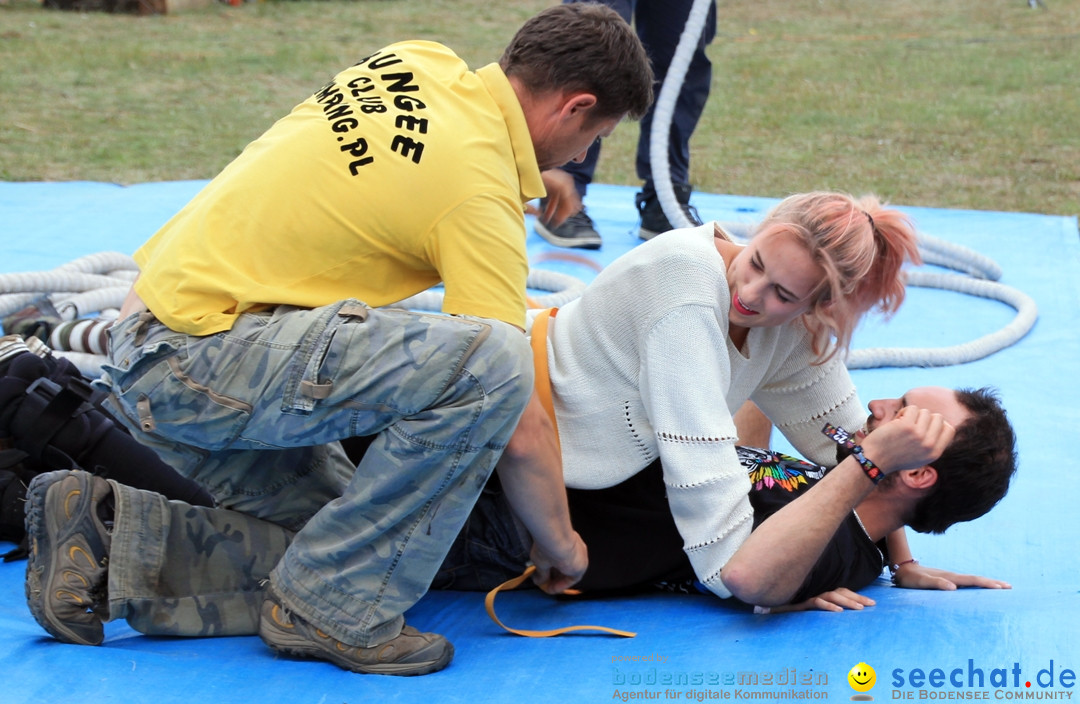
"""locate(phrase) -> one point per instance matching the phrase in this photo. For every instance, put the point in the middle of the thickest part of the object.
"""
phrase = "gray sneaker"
(577, 231)
(410, 653)
(66, 571)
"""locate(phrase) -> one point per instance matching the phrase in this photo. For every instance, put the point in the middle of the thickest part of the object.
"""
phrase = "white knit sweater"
(641, 367)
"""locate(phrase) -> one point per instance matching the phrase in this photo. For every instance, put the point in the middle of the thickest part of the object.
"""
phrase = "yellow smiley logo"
(862, 677)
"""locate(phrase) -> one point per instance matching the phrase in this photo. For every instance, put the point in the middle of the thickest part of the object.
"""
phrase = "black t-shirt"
(635, 546)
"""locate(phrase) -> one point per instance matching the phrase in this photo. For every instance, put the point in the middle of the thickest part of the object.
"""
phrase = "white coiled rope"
(88, 284)
(953, 256)
(1026, 314)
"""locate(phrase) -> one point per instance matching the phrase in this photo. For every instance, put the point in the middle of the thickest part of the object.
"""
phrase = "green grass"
(960, 104)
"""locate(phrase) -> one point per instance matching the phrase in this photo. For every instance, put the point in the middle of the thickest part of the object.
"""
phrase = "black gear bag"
(51, 418)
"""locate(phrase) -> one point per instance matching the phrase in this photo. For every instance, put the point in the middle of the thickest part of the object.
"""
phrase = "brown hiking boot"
(66, 570)
(410, 653)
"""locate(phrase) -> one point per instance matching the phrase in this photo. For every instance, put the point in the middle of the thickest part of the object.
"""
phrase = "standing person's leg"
(583, 172)
(579, 230)
(660, 26)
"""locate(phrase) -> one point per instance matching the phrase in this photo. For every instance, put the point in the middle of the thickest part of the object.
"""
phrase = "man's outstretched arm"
(530, 471)
(772, 564)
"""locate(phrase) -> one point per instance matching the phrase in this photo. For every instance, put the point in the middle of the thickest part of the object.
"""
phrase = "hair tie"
(873, 228)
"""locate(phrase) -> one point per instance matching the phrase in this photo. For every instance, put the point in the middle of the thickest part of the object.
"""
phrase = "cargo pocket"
(306, 386)
(168, 402)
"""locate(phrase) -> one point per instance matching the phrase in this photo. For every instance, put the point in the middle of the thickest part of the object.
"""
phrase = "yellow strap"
(540, 362)
(489, 604)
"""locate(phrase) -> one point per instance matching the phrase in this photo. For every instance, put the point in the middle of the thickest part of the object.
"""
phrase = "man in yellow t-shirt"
(255, 340)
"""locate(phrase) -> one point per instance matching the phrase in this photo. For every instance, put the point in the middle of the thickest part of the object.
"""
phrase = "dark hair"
(974, 471)
(583, 47)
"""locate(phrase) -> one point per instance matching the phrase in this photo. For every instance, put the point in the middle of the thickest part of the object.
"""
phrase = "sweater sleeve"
(684, 376)
(802, 397)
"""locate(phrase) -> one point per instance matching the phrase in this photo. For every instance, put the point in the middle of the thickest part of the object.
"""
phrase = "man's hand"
(562, 198)
(530, 471)
(915, 438)
(916, 576)
(835, 600)
(555, 574)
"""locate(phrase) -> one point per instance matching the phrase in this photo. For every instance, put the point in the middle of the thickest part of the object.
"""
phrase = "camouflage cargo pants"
(255, 415)
(183, 570)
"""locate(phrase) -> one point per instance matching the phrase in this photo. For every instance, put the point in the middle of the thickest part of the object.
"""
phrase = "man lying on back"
(818, 533)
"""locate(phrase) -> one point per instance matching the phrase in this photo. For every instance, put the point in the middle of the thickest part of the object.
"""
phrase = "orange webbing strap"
(540, 362)
(489, 604)
(567, 257)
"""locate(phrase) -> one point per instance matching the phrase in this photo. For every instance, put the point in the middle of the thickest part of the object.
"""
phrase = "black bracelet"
(842, 438)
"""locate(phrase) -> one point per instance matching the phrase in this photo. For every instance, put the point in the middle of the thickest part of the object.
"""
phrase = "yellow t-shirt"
(405, 170)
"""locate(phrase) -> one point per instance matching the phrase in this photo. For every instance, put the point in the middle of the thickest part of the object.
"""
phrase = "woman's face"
(771, 281)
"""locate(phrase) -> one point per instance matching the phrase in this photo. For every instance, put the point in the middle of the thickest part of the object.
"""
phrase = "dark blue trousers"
(659, 24)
